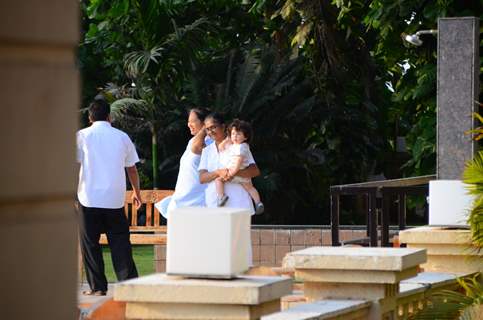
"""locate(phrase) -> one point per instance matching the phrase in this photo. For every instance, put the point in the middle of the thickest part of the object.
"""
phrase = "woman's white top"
(189, 192)
(212, 160)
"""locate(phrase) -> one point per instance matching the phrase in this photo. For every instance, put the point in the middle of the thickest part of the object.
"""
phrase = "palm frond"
(184, 40)
(137, 62)
(477, 115)
(277, 82)
(135, 108)
(447, 304)
(181, 43)
(229, 74)
(473, 174)
(247, 77)
(473, 177)
(113, 92)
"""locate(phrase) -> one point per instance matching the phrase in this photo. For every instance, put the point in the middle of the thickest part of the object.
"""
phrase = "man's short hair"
(99, 110)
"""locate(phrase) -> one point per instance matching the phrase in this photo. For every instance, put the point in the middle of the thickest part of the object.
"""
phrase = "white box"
(208, 242)
(449, 203)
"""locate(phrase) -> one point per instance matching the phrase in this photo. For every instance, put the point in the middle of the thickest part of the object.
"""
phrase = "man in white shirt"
(104, 154)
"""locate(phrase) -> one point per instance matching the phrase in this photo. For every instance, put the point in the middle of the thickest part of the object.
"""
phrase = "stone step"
(296, 298)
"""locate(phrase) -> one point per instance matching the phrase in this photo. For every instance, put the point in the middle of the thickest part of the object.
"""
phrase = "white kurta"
(189, 192)
(103, 152)
(212, 160)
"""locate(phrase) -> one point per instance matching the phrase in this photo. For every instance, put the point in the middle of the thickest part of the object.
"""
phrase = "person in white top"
(240, 132)
(104, 154)
(189, 192)
(211, 167)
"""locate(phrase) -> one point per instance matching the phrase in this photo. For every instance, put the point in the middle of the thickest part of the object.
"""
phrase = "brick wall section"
(269, 246)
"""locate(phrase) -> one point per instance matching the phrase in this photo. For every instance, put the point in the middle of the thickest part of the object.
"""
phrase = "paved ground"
(86, 301)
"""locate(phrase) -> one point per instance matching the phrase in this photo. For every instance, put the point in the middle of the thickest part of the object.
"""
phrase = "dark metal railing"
(374, 190)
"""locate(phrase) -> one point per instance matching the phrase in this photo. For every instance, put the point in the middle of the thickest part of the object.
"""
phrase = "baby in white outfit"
(238, 154)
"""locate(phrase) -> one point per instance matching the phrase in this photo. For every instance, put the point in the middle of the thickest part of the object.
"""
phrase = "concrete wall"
(39, 87)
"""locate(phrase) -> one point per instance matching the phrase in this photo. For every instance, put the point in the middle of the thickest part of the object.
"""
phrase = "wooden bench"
(152, 232)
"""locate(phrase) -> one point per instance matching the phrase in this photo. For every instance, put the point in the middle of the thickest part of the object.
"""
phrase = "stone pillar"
(356, 273)
(457, 91)
(39, 87)
(159, 296)
(448, 250)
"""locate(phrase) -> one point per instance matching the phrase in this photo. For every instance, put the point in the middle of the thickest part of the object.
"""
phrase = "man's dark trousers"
(113, 222)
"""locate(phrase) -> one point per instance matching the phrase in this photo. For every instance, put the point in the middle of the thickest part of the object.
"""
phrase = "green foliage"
(143, 256)
(473, 177)
(478, 132)
(457, 305)
(352, 96)
(326, 85)
(422, 145)
(411, 71)
(270, 91)
(452, 305)
(156, 60)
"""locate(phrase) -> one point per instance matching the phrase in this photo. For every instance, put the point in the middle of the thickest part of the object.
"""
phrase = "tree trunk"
(154, 153)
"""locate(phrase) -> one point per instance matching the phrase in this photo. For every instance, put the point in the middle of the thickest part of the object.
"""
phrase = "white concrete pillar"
(159, 296)
(352, 273)
(39, 87)
(449, 250)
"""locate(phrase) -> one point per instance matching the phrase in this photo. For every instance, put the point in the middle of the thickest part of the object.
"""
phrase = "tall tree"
(157, 57)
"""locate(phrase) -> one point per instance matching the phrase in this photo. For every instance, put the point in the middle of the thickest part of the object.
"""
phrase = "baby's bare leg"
(248, 186)
(220, 186)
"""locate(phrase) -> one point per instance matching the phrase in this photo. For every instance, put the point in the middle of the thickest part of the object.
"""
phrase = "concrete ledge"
(354, 276)
(325, 309)
(434, 281)
(436, 235)
(411, 289)
(315, 291)
(414, 292)
(172, 311)
(350, 258)
(160, 288)
(447, 249)
(434, 278)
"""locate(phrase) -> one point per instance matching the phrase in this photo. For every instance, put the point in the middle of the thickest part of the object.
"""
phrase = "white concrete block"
(208, 242)
(449, 203)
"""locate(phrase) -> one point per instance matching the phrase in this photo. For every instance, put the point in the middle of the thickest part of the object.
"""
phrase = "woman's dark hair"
(217, 117)
(242, 126)
(201, 113)
(99, 110)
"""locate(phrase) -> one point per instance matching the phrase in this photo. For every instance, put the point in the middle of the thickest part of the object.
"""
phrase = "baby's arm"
(233, 170)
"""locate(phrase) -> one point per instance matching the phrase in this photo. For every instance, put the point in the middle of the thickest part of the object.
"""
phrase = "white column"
(39, 87)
